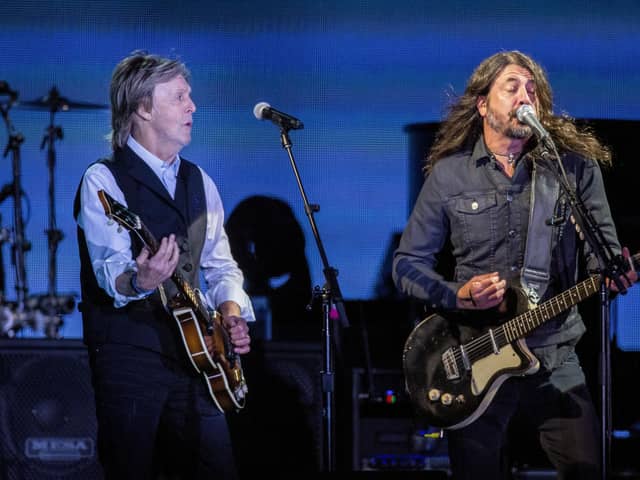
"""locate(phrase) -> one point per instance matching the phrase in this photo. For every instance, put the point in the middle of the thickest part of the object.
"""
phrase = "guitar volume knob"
(460, 399)
(434, 394)
(446, 399)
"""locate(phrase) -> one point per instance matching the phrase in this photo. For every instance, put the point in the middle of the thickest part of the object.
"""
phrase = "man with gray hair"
(144, 319)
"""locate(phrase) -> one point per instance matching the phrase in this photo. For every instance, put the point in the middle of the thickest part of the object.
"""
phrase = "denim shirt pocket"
(477, 215)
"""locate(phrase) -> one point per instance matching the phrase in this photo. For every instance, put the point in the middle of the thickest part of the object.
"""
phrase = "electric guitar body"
(454, 363)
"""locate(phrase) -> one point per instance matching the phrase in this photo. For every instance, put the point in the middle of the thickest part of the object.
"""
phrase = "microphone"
(6, 90)
(527, 116)
(264, 111)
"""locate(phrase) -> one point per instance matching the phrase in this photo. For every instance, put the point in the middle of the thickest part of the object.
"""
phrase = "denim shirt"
(468, 200)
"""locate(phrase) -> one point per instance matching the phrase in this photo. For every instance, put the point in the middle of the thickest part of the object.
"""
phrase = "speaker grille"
(47, 411)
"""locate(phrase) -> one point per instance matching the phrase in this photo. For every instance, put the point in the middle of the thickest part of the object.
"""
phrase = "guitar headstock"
(118, 212)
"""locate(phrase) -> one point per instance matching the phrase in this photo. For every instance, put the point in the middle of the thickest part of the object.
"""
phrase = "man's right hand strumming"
(481, 292)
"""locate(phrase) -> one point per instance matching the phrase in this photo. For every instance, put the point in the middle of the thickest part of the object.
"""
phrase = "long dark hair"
(463, 125)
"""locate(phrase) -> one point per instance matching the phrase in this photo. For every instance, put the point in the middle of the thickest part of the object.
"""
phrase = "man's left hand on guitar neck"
(628, 278)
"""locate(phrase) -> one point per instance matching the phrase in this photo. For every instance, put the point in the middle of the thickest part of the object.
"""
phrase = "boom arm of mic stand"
(330, 273)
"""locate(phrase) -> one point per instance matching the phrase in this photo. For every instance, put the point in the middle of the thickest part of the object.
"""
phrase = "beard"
(519, 131)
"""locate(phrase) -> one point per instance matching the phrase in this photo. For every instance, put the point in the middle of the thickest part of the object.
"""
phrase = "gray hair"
(132, 84)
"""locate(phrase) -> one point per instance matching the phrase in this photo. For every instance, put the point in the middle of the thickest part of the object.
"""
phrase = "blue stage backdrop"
(355, 72)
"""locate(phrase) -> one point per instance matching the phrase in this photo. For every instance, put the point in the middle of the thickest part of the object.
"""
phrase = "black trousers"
(156, 419)
(557, 404)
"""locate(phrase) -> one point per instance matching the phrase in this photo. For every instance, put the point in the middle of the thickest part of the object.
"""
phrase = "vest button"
(187, 267)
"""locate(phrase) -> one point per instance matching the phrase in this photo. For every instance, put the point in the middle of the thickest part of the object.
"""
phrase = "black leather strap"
(535, 273)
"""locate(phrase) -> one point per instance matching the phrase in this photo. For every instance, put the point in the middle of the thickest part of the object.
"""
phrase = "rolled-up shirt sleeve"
(108, 245)
(223, 277)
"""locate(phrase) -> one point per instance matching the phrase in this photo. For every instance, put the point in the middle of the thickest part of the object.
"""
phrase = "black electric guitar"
(454, 365)
(221, 368)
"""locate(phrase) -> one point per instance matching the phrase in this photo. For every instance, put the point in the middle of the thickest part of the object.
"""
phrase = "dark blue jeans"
(156, 419)
(557, 404)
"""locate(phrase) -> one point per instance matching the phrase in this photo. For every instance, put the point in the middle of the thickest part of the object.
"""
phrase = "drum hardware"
(54, 102)
(39, 312)
(10, 324)
(18, 242)
(50, 308)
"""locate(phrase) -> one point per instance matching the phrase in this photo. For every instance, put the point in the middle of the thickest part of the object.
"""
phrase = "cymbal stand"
(19, 244)
(52, 304)
(7, 318)
(4, 236)
(54, 235)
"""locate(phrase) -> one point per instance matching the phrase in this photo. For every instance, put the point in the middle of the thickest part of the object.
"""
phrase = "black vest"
(145, 322)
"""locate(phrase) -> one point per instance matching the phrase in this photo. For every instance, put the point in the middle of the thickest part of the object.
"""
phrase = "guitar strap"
(535, 273)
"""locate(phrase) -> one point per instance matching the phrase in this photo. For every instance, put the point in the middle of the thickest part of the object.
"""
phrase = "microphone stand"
(330, 295)
(611, 266)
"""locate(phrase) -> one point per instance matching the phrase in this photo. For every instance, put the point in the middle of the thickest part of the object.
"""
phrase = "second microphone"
(264, 111)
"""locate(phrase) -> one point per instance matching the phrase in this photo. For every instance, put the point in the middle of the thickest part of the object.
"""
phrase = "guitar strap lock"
(535, 274)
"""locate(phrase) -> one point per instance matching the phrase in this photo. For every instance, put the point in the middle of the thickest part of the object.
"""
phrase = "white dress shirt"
(110, 247)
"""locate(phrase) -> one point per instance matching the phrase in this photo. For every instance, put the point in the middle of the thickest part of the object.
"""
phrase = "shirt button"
(511, 233)
(509, 197)
(474, 205)
(514, 268)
